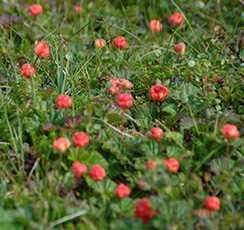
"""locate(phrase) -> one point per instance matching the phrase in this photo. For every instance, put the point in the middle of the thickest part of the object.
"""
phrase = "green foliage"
(37, 187)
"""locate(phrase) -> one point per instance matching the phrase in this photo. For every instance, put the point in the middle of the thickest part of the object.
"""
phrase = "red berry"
(80, 139)
(100, 43)
(176, 19)
(157, 133)
(63, 102)
(35, 9)
(77, 8)
(42, 49)
(122, 191)
(78, 169)
(125, 100)
(126, 84)
(114, 90)
(120, 42)
(115, 81)
(27, 70)
(118, 85)
(180, 48)
(172, 165)
(158, 92)
(212, 203)
(230, 132)
(144, 211)
(150, 165)
(115, 86)
(156, 26)
(97, 173)
(61, 144)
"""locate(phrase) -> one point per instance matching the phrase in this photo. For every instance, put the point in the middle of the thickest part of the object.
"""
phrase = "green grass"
(37, 189)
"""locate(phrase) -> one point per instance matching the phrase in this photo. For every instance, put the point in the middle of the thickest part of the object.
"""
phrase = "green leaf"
(170, 109)
(114, 118)
(105, 187)
(88, 158)
(174, 136)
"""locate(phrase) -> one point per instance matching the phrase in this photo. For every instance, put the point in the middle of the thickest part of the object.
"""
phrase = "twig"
(68, 218)
(4, 143)
(130, 118)
(118, 130)
(33, 169)
(115, 129)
